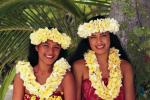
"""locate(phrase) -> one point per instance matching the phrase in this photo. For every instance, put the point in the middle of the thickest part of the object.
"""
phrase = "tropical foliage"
(136, 27)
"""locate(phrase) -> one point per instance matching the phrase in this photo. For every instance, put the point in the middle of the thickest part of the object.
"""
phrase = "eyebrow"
(56, 45)
(44, 43)
(93, 34)
(102, 33)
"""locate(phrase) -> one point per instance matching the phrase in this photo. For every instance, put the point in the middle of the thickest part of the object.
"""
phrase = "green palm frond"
(94, 7)
(11, 44)
(10, 5)
(7, 81)
(17, 23)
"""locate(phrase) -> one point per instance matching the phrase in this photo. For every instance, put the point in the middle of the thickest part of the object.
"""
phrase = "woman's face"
(100, 42)
(48, 51)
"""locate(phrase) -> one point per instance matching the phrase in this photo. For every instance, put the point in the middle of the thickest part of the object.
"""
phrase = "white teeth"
(99, 46)
(49, 57)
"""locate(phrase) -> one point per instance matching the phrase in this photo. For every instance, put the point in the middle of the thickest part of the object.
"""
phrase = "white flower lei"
(99, 25)
(42, 35)
(52, 82)
(112, 90)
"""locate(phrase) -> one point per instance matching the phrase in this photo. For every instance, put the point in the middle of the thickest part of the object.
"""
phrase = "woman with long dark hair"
(47, 75)
(102, 69)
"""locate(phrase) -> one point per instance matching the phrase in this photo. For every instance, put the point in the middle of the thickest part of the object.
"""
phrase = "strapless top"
(55, 96)
(88, 92)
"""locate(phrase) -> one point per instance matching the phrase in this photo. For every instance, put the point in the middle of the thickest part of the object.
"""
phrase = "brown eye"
(45, 45)
(56, 47)
(93, 36)
(103, 34)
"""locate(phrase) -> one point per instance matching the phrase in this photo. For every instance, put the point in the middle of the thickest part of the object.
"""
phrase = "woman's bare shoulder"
(126, 67)
(79, 63)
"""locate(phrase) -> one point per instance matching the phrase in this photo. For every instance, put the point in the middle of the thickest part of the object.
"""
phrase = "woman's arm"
(78, 74)
(128, 80)
(18, 88)
(69, 87)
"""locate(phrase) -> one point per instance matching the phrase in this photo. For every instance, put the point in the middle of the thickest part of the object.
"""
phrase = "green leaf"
(7, 81)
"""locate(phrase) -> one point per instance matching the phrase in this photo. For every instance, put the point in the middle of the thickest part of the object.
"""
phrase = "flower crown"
(42, 35)
(99, 25)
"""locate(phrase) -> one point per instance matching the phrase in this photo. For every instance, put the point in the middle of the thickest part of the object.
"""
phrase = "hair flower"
(42, 35)
(99, 25)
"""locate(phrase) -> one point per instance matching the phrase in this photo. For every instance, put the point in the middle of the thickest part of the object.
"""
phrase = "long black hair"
(33, 57)
(84, 45)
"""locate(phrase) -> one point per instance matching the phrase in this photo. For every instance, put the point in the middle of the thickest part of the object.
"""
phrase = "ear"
(36, 48)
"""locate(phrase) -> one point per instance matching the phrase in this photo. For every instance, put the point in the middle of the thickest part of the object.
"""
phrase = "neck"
(103, 59)
(44, 68)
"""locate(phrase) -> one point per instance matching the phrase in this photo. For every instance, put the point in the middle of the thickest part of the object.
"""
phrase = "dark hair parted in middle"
(84, 45)
(33, 54)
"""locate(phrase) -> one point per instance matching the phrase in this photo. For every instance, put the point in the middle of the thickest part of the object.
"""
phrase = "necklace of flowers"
(112, 90)
(53, 81)
(49, 98)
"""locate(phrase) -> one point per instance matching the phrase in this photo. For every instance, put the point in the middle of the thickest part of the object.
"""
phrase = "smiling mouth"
(99, 46)
(49, 57)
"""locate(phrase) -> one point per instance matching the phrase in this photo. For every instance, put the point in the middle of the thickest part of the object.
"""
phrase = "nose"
(50, 51)
(98, 39)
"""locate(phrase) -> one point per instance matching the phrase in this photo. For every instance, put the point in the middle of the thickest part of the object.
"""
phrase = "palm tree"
(18, 18)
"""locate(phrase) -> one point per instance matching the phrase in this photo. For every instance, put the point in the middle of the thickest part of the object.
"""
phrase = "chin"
(100, 51)
(50, 61)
